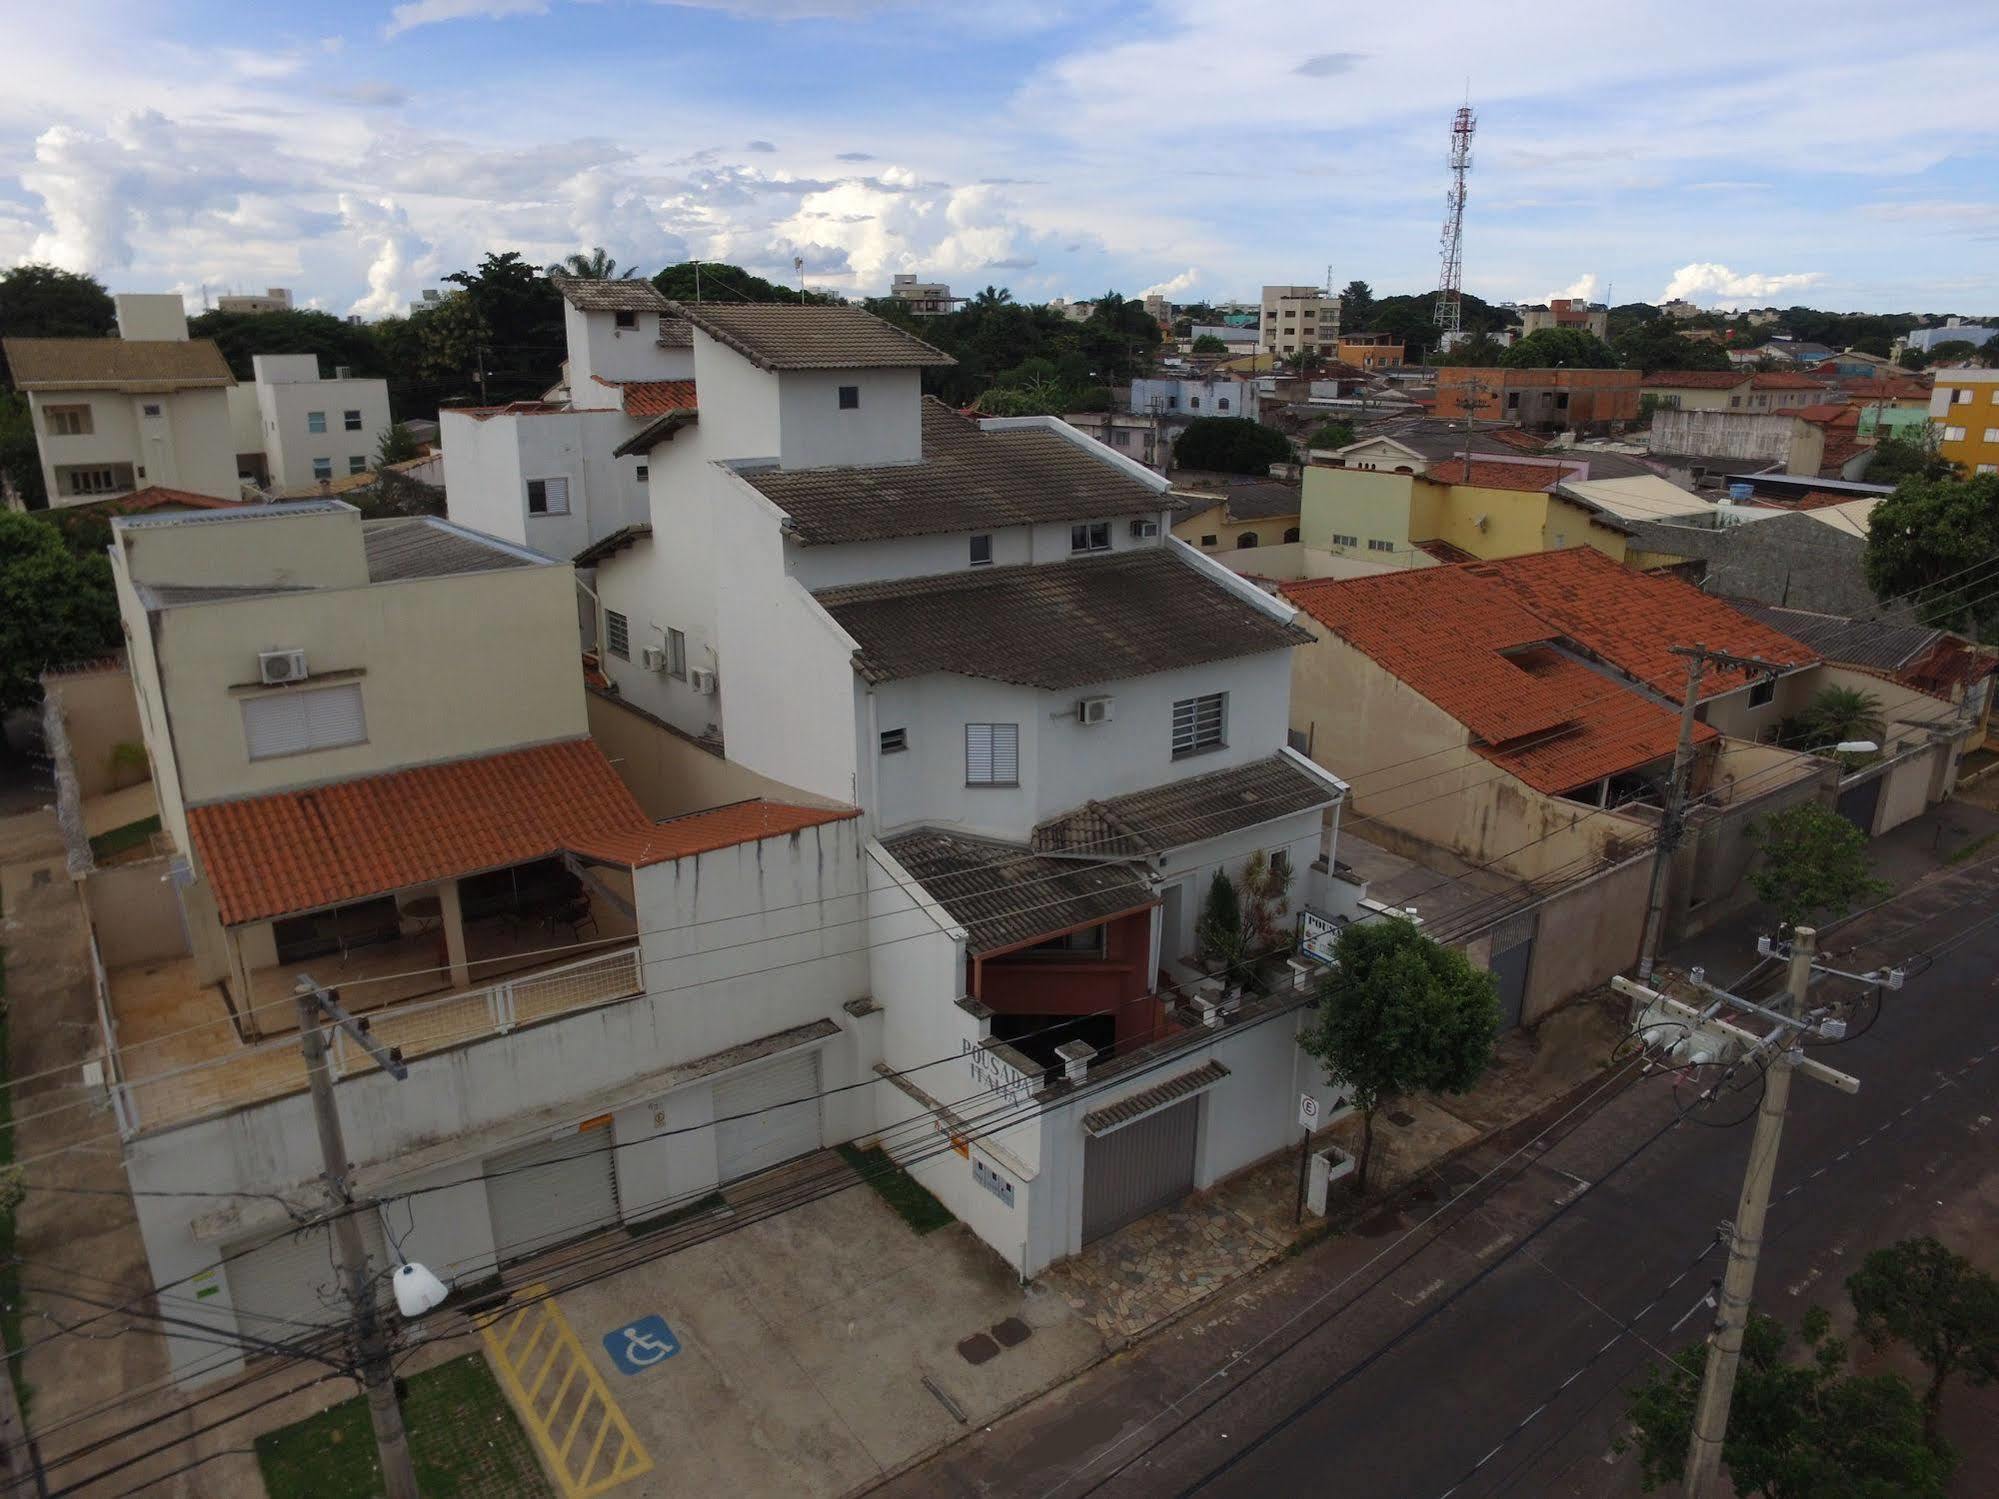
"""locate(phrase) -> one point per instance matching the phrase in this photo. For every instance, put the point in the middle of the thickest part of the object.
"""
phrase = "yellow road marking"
(579, 1401)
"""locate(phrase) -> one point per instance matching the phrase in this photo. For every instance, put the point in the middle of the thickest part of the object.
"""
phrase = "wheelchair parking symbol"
(637, 1346)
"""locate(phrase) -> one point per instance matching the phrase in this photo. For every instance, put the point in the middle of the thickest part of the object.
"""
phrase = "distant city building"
(1239, 340)
(274, 299)
(1567, 312)
(1192, 398)
(923, 298)
(1952, 331)
(1965, 406)
(1539, 398)
(1679, 307)
(1299, 318)
(293, 429)
(1369, 351)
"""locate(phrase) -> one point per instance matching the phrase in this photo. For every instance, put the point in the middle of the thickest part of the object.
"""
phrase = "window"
(992, 754)
(1194, 403)
(1561, 540)
(1280, 862)
(1088, 943)
(290, 722)
(676, 654)
(1992, 434)
(96, 480)
(1340, 540)
(1374, 544)
(1735, 400)
(1988, 468)
(315, 421)
(67, 421)
(1208, 541)
(850, 398)
(1961, 397)
(1222, 403)
(617, 635)
(151, 408)
(894, 741)
(322, 468)
(625, 318)
(1513, 400)
(351, 420)
(1121, 437)
(644, 472)
(357, 463)
(1953, 434)
(1290, 533)
(1562, 401)
(1198, 723)
(548, 497)
(1091, 536)
(982, 551)
(1172, 402)
(1763, 693)
(1245, 540)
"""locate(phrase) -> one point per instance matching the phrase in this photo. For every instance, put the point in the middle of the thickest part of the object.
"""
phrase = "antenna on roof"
(798, 265)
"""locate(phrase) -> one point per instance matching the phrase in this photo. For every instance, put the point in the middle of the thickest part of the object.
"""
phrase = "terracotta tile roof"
(788, 336)
(1693, 379)
(266, 856)
(1188, 811)
(1826, 414)
(1839, 448)
(1948, 665)
(631, 295)
(1816, 499)
(656, 397)
(1056, 625)
(1784, 380)
(1885, 387)
(1527, 477)
(1515, 437)
(158, 497)
(1445, 551)
(1005, 895)
(970, 479)
(144, 364)
(512, 408)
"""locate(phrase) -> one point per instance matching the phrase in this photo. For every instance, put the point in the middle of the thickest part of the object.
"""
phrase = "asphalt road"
(1488, 1352)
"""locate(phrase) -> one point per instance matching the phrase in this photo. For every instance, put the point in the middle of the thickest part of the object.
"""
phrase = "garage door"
(1138, 1169)
(551, 1191)
(295, 1278)
(766, 1116)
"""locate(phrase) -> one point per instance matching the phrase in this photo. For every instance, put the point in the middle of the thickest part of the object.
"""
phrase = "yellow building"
(1256, 513)
(1498, 509)
(1964, 404)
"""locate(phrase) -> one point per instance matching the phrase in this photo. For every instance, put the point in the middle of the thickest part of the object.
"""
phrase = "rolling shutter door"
(295, 1278)
(779, 1105)
(550, 1192)
(288, 722)
(1139, 1169)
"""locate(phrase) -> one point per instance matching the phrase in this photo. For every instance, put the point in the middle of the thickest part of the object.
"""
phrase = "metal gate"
(551, 1191)
(1142, 1167)
(294, 1278)
(1510, 968)
(767, 1116)
(1857, 804)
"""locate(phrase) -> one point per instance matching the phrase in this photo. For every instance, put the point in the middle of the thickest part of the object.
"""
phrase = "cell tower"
(1450, 284)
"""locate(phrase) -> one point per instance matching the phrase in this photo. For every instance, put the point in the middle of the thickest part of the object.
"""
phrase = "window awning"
(1135, 1106)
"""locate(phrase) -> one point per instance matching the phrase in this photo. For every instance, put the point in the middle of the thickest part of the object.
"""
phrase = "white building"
(147, 409)
(551, 474)
(1299, 318)
(274, 299)
(307, 429)
(982, 634)
(1187, 399)
(922, 298)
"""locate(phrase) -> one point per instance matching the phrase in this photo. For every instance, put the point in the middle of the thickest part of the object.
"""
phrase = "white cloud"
(1583, 288)
(1172, 286)
(429, 12)
(1707, 281)
(400, 257)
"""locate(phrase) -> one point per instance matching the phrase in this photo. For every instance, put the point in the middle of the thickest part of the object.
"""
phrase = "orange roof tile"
(292, 851)
(1515, 437)
(1784, 380)
(653, 397)
(1694, 379)
(1816, 499)
(1528, 477)
(1827, 414)
(159, 497)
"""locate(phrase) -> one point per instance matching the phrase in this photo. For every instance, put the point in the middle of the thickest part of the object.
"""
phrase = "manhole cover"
(1012, 1332)
(1402, 1118)
(977, 1348)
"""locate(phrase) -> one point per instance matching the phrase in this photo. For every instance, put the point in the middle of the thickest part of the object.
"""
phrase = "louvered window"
(291, 722)
(617, 635)
(1199, 723)
(992, 754)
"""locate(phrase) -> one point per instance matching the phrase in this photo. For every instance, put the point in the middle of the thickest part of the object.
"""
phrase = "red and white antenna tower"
(1450, 284)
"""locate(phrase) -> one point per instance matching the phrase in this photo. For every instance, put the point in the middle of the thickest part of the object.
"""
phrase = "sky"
(1843, 156)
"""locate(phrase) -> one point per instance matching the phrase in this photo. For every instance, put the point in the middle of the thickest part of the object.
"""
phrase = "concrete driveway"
(812, 1353)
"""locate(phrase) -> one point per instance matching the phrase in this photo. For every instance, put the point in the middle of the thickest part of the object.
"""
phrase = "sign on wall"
(1318, 934)
(992, 1181)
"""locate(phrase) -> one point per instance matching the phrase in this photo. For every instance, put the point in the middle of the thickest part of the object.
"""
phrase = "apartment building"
(293, 429)
(1567, 312)
(1369, 351)
(1540, 399)
(273, 299)
(922, 298)
(1964, 407)
(1732, 390)
(147, 408)
(1298, 319)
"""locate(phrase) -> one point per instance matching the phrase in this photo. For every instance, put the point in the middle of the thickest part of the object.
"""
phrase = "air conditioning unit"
(1093, 710)
(274, 667)
(653, 658)
(702, 680)
(1145, 530)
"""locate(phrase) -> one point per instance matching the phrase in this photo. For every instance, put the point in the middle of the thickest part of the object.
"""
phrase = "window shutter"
(558, 496)
(274, 725)
(286, 723)
(1006, 752)
(333, 717)
(978, 753)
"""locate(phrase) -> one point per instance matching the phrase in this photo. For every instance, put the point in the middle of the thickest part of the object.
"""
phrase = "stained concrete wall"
(134, 913)
(100, 711)
(669, 772)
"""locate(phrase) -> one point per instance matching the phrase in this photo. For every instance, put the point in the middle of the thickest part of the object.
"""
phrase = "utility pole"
(1783, 1046)
(378, 1378)
(1672, 815)
(479, 356)
(22, 1457)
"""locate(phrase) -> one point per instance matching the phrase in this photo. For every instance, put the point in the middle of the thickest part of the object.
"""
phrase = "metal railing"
(271, 1069)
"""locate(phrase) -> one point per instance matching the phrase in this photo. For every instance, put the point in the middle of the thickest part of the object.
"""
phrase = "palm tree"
(993, 296)
(596, 266)
(1840, 714)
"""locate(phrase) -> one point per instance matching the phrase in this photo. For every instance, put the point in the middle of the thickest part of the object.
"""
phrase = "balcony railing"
(271, 1069)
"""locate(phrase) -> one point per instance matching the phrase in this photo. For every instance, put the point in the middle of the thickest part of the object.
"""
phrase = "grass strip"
(901, 1191)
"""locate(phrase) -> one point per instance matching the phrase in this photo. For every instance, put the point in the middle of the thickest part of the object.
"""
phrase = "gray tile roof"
(617, 541)
(1265, 500)
(1148, 1100)
(151, 364)
(1856, 642)
(674, 333)
(1182, 812)
(586, 295)
(660, 429)
(1055, 626)
(969, 480)
(1005, 895)
(791, 336)
(1436, 439)
(423, 548)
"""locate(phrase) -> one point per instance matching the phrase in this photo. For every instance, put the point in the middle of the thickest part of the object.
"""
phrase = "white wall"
(489, 461)
(187, 445)
(483, 486)
(813, 432)
(599, 347)
(289, 388)
(739, 418)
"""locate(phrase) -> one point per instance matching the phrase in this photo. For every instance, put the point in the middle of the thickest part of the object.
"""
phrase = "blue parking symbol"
(637, 1346)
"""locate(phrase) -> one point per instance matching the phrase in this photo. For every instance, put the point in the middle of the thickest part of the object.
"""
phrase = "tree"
(1570, 348)
(1219, 932)
(55, 607)
(1306, 362)
(1357, 306)
(1400, 1013)
(718, 281)
(1840, 714)
(40, 301)
(398, 445)
(1912, 359)
(1230, 445)
(1940, 1304)
(1795, 1431)
(1916, 451)
(1480, 351)
(336, 342)
(1815, 864)
(1926, 536)
(993, 296)
(1207, 343)
(596, 266)
(1952, 351)
(20, 457)
(1659, 345)
(1338, 434)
